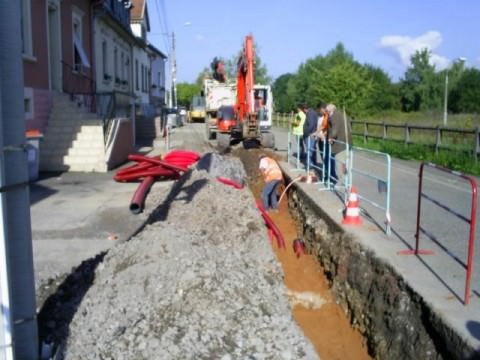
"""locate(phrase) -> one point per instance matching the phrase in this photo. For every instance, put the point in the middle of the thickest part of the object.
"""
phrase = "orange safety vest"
(273, 171)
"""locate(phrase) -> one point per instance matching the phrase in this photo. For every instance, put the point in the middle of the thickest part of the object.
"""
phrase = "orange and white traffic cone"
(352, 213)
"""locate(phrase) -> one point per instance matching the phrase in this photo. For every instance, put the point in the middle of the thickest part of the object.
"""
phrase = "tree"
(282, 102)
(465, 97)
(384, 94)
(185, 92)
(422, 86)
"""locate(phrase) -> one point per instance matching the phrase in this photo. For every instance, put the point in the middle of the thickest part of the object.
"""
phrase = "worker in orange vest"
(273, 177)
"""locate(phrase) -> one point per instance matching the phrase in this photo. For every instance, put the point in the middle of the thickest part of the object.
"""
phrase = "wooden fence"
(437, 137)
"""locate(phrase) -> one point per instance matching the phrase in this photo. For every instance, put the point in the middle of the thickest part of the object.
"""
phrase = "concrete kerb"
(445, 320)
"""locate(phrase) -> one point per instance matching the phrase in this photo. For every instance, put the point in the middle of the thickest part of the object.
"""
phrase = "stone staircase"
(73, 140)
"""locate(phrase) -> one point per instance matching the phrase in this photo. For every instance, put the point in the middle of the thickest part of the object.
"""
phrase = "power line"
(163, 27)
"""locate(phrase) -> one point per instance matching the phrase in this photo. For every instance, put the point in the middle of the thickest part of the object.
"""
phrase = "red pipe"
(141, 158)
(138, 199)
(134, 168)
(230, 182)
(271, 225)
(156, 171)
(183, 153)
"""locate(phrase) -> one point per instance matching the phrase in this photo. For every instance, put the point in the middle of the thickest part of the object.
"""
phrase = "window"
(80, 59)
(127, 69)
(106, 75)
(115, 65)
(143, 78)
(136, 76)
(122, 66)
(26, 30)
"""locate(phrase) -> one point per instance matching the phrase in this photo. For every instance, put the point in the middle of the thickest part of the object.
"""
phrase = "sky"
(383, 33)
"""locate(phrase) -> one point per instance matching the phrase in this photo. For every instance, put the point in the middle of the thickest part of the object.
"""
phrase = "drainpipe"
(17, 286)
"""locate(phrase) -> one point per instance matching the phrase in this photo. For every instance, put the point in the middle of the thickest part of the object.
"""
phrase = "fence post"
(407, 134)
(365, 132)
(477, 143)
(438, 139)
(384, 135)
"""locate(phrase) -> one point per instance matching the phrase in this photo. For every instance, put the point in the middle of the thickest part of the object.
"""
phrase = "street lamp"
(445, 100)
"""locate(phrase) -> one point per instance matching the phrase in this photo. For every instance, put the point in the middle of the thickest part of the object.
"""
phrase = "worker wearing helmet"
(273, 177)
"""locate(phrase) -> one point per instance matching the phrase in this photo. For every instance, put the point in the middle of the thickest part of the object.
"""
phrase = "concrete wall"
(394, 319)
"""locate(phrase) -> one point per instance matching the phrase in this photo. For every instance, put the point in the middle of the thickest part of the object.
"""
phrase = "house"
(86, 75)
(149, 75)
(57, 53)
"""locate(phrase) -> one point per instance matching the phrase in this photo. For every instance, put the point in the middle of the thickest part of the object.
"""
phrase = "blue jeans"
(269, 195)
(311, 152)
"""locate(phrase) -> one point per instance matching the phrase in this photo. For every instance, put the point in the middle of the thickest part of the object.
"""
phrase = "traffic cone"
(352, 213)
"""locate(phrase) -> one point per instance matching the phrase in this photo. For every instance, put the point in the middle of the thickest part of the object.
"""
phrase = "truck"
(241, 110)
(197, 109)
(216, 94)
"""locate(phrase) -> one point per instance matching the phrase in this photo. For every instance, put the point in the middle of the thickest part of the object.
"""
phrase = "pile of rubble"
(199, 281)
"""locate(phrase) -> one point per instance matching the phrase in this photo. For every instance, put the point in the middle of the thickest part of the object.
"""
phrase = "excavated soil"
(314, 308)
(201, 281)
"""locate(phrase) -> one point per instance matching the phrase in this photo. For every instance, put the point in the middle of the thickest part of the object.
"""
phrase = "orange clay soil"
(327, 327)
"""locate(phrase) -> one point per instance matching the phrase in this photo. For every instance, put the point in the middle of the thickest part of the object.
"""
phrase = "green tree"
(465, 97)
(282, 102)
(422, 86)
(384, 94)
(185, 92)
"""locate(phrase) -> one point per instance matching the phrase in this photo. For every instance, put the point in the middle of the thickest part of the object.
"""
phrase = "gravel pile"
(199, 282)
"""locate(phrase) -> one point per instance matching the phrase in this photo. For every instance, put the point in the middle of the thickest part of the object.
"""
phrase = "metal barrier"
(383, 183)
(290, 156)
(330, 180)
(472, 221)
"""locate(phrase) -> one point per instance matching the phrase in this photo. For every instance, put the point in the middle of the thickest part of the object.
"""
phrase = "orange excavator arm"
(245, 105)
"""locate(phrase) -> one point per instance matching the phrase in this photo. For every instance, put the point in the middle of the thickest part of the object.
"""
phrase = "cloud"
(199, 37)
(403, 47)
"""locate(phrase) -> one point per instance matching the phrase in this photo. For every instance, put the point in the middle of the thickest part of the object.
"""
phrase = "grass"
(452, 158)
(457, 149)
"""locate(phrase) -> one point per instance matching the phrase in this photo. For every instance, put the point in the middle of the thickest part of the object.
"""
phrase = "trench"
(314, 307)
(370, 311)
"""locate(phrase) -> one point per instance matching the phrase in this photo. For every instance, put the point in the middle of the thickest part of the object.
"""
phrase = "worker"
(297, 130)
(322, 135)
(340, 137)
(309, 129)
(273, 176)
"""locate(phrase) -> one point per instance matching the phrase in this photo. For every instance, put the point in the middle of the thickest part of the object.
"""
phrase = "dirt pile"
(200, 281)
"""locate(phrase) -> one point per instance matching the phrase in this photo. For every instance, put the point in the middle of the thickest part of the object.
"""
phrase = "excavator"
(248, 119)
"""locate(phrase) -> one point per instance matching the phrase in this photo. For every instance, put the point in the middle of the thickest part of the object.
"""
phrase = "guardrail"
(472, 221)
(437, 137)
(328, 177)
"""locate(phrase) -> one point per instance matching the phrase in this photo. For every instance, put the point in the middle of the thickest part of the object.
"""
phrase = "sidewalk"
(75, 216)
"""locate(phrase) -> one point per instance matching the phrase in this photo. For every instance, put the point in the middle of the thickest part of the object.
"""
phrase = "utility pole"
(17, 286)
(174, 73)
(445, 101)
